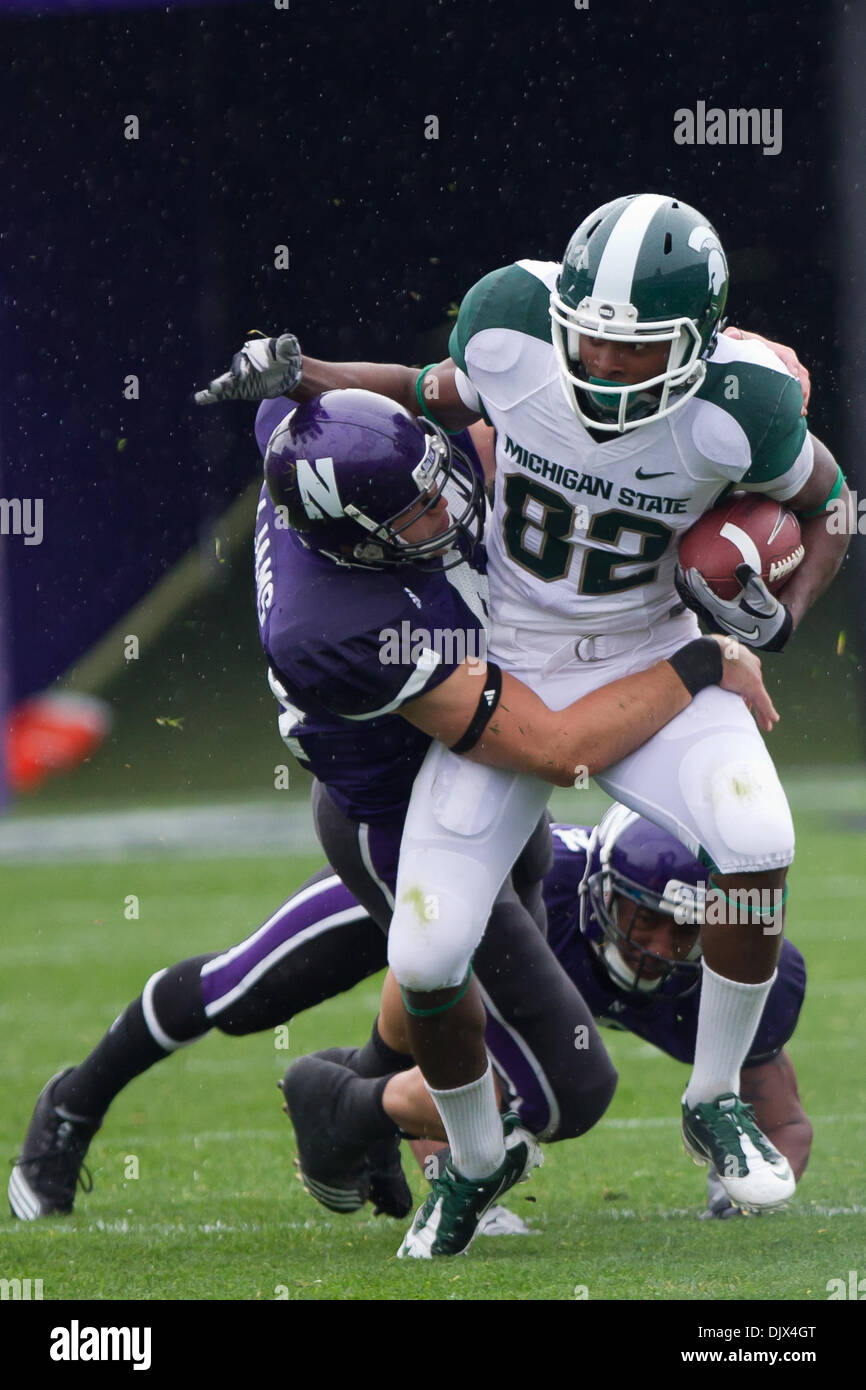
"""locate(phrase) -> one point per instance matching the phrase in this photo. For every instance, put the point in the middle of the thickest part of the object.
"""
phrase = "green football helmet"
(641, 269)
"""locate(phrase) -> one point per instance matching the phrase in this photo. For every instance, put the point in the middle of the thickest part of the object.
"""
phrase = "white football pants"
(706, 777)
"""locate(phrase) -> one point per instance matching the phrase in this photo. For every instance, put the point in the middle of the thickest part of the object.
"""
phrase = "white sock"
(728, 1019)
(473, 1125)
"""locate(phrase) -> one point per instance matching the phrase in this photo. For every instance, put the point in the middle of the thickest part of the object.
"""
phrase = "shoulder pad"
(516, 297)
(751, 386)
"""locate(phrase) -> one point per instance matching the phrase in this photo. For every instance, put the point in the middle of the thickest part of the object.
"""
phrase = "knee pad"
(752, 818)
(737, 804)
(432, 940)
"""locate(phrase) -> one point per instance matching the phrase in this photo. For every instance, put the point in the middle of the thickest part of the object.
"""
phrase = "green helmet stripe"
(616, 269)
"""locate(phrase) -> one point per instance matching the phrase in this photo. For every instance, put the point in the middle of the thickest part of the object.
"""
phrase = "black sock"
(126, 1050)
(360, 1113)
(376, 1058)
(129, 1048)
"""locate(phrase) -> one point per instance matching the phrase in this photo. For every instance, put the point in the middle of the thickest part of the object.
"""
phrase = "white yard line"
(128, 1139)
(125, 1226)
(278, 825)
(255, 829)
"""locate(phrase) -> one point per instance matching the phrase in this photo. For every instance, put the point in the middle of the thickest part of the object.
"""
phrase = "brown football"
(746, 529)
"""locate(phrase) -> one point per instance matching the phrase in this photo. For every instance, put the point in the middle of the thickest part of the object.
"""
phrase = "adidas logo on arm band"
(487, 702)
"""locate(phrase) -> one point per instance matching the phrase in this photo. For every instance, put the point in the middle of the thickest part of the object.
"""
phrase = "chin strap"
(618, 966)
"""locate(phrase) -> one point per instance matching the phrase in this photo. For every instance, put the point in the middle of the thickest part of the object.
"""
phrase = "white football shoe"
(724, 1133)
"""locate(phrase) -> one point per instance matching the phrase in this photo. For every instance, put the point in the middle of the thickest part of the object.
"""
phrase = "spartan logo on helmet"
(705, 239)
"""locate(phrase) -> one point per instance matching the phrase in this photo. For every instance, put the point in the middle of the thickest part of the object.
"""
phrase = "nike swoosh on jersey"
(644, 476)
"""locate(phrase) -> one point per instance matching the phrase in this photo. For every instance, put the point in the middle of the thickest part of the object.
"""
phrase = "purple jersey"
(663, 1019)
(348, 646)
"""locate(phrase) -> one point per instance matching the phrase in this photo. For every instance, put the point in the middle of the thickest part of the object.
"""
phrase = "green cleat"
(723, 1132)
(448, 1221)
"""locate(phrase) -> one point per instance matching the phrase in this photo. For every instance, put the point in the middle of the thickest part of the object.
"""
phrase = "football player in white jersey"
(621, 416)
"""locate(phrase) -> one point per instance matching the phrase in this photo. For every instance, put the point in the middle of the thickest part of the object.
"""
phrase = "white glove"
(263, 369)
(755, 616)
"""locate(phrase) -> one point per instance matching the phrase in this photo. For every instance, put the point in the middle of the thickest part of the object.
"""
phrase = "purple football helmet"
(631, 857)
(348, 465)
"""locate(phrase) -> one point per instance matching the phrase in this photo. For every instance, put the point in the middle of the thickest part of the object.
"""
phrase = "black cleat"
(345, 1056)
(389, 1190)
(334, 1168)
(47, 1171)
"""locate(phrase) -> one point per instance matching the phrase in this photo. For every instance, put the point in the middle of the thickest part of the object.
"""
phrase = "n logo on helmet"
(318, 488)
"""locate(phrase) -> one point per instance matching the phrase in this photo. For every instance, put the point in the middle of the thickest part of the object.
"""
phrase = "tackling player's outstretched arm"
(524, 735)
(266, 368)
(387, 378)
(825, 550)
(772, 1089)
(435, 388)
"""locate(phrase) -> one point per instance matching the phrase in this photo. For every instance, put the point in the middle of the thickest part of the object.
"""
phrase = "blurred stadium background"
(260, 127)
(304, 126)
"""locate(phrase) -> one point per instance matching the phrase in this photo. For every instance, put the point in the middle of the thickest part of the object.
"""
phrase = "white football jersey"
(584, 534)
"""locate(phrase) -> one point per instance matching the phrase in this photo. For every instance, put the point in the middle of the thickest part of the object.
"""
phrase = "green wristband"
(419, 394)
(425, 409)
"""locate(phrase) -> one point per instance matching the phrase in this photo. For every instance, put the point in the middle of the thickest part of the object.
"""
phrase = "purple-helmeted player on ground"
(612, 897)
(624, 901)
(355, 538)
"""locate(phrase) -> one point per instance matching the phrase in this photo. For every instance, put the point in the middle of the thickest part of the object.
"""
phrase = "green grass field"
(216, 1211)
